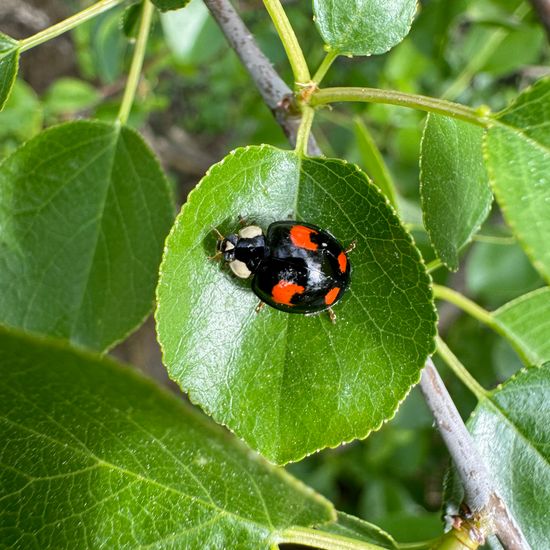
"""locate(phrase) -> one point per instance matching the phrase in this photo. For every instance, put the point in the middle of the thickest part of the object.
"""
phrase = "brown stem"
(274, 91)
(480, 493)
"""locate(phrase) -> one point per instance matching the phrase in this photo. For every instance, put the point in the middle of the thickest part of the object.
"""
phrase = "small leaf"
(453, 184)
(517, 150)
(358, 529)
(95, 456)
(512, 430)
(9, 64)
(526, 323)
(289, 384)
(84, 210)
(363, 27)
(131, 18)
(165, 5)
(69, 95)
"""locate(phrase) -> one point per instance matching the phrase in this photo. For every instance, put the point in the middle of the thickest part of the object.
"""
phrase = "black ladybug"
(296, 267)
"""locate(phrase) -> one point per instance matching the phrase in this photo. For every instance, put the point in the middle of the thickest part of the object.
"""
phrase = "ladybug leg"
(350, 247)
(332, 315)
(242, 221)
(216, 256)
(260, 306)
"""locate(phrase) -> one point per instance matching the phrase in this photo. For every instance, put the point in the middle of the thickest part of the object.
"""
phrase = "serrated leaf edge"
(475, 228)
(72, 343)
(375, 51)
(410, 238)
(503, 204)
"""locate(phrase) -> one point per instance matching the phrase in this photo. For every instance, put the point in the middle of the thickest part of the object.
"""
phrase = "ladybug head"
(244, 251)
(227, 246)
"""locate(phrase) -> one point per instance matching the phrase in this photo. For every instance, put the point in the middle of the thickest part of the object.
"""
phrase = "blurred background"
(195, 103)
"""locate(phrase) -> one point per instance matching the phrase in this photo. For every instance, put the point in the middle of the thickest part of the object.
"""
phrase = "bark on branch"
(479, 489)
(274, 91)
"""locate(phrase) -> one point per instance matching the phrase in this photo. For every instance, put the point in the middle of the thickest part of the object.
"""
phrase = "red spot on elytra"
(284, 291)
(342, 261)
(301, 237)
(331, 295)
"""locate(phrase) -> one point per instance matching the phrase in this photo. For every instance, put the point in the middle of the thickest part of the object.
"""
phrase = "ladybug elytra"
(296, 267)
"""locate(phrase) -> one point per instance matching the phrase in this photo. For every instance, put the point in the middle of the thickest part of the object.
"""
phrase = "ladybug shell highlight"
(306, 269)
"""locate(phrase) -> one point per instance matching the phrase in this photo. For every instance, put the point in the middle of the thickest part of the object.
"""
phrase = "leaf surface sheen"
(9, 65)
(363, 27)
(286, 383)
(84, 210)
(526, 323)
(517, 152)
(454, 187)
(512, 431)
(95, 456)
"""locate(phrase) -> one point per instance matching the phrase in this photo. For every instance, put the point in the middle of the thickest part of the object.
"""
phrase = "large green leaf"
(286, 383)
(526, 323)
(95, 456)
(363, 27)
(511, 429)
(453, 183)
(84, 210)
(517, 149)
(9, 64)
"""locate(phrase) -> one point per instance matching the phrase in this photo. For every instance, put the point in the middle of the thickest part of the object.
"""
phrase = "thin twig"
(542, 7)
(479, 490)
(274, 91)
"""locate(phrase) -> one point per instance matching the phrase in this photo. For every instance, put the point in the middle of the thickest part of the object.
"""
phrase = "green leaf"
(130, 20)
(363, 27)
(517, 150)
(289, 384)
(512, 430)
(456, 197)
(193, 36)
(165, 5)
(69, 95)
(84, 210)
(9, 64)
(358, 529)
(526, 323)
(95, 456)
(21, 118)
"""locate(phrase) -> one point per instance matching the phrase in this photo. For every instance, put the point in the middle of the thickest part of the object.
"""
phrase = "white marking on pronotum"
(250, 232)
(228, 246)
(240, 269)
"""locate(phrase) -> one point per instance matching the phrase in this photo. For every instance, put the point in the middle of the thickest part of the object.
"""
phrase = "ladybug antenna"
(220, 236)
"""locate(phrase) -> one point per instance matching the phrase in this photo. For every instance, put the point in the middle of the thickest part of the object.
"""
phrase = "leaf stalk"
(391, 97)
(324, 66)
(460, 370)
(465, 304)
(322, 540)
(67, 24)
(304, 130)
(137, 63)
(289, 40)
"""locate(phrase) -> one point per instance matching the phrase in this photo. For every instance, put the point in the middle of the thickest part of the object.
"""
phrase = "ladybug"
(295, 267)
